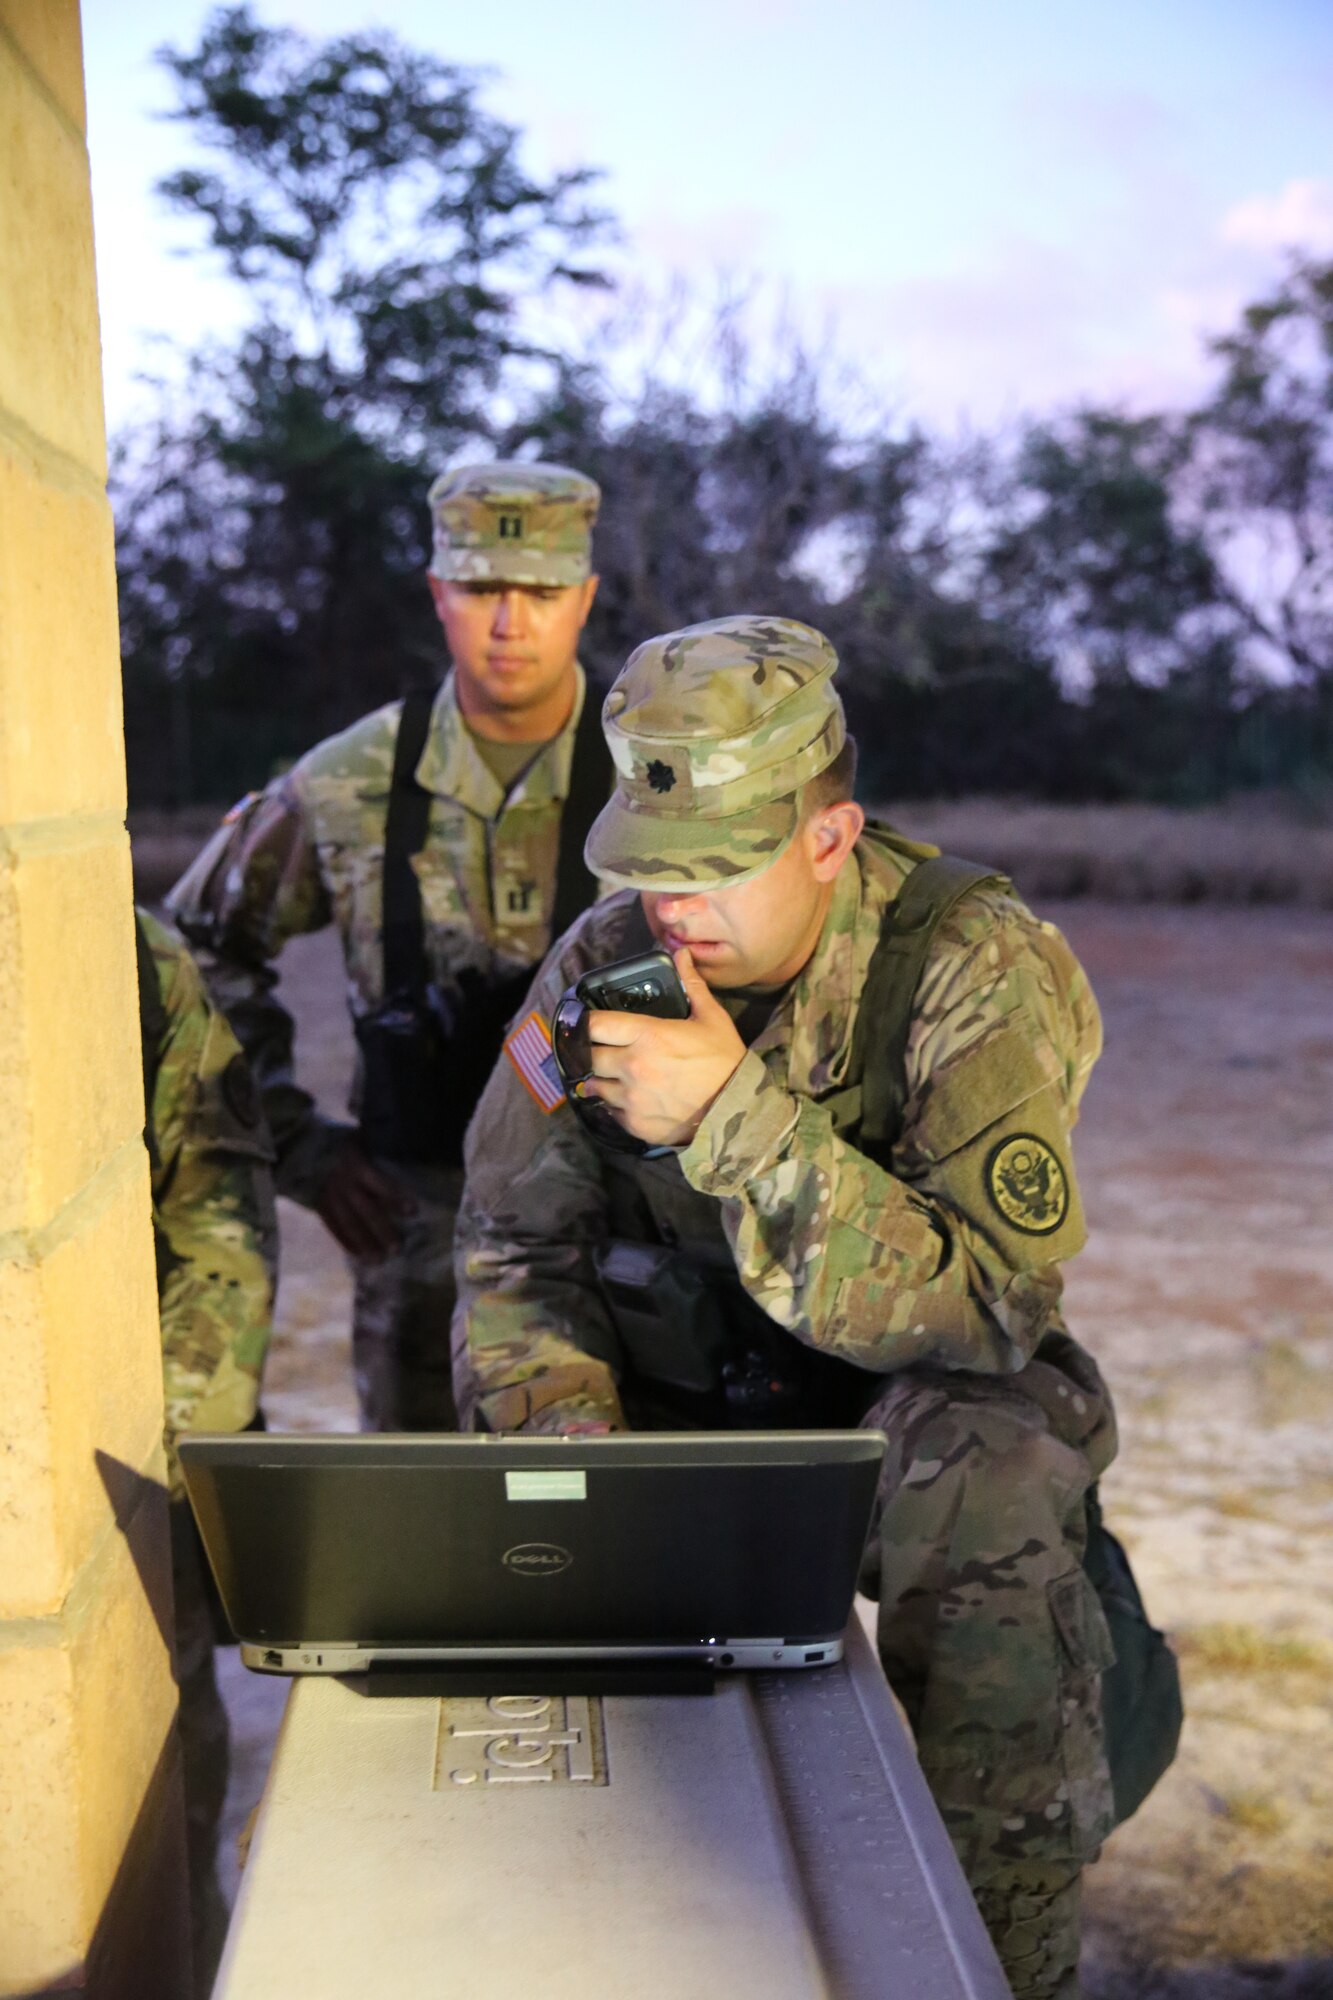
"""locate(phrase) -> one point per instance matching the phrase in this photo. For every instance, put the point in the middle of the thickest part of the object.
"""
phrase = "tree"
(1104, 605)
(273, 526)
(1260, 487)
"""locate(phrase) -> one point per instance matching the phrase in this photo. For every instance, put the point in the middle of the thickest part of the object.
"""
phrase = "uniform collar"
(452, 767)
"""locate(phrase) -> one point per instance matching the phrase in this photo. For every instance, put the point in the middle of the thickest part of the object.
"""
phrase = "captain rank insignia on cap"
(514, 522)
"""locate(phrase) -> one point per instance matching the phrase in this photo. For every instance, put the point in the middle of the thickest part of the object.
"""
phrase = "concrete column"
(91, 1847)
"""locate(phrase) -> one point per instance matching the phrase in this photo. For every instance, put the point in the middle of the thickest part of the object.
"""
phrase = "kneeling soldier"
(847, 1182)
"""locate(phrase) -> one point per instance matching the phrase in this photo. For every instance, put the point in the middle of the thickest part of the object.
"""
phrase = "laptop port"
(272, 1659)
(811, 1658)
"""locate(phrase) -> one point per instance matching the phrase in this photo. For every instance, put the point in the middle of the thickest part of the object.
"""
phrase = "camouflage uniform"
(309, 851)
(213, 1221)
(937, 1281)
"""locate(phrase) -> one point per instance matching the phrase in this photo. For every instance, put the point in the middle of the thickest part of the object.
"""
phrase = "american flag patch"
(529, 1050)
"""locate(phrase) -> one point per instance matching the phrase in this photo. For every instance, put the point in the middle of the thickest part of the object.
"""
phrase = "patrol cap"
(712, 731)
(513, 522)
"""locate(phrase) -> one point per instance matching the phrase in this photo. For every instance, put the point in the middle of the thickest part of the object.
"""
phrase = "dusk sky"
(998, 206)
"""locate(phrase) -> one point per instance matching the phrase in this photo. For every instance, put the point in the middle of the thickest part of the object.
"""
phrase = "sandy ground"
(1206, 1159)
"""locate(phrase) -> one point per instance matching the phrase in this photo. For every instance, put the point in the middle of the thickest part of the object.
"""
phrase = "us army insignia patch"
(529, 1050)
(1028, 1185)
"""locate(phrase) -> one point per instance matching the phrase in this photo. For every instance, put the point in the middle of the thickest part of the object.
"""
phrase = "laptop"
(343, 1555)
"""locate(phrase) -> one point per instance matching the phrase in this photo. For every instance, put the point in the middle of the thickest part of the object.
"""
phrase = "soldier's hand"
(361, 1206)
(659, 1077)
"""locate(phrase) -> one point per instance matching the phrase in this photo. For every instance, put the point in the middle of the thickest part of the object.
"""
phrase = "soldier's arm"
(953, 1257)
(256, 884)
(212, 1209)
(534, 1349)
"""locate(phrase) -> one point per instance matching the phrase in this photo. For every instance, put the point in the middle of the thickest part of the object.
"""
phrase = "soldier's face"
(761, 932)
(513, 647)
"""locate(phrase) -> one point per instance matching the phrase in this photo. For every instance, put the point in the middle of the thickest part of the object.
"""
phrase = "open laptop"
(725, 1550)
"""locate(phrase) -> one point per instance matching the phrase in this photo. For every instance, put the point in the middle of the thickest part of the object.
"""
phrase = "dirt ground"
(1206, 1159)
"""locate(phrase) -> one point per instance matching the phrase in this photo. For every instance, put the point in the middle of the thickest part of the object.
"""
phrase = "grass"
(1242, 1649)
(1252, 850)
(1251, 1812)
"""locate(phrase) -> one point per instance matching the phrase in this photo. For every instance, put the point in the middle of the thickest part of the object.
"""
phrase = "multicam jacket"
(949, 1257)
(309, 851)
(210, 1163)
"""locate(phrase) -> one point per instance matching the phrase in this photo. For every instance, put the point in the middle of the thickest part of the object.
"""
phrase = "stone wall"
(90, 1827)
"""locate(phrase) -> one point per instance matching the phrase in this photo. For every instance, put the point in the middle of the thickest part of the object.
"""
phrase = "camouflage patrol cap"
(713, 730)
(511, 522)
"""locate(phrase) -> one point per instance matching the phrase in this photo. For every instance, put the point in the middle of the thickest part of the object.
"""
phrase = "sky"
(989, 206)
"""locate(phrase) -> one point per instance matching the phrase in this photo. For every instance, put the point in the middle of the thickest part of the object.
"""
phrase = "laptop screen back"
(521, 1542)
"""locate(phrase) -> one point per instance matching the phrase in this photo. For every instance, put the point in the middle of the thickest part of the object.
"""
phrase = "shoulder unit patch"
(1028, 1185)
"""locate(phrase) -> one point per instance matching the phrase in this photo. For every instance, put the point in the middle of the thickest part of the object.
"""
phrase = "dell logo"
(537, 1559)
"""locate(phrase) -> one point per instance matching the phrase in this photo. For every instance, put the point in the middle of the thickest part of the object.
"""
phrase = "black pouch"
(696, 1335)
(1142, 1708)
(408, 1110)
(426, 1062)
(411, 1105)
(666, 1315)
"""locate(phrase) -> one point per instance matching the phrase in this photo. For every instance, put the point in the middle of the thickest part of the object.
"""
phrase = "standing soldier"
(215, 1233)
(444, 836)
(848, 1184)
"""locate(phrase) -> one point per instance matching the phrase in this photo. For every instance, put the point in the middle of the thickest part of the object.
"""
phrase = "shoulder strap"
(589, 784)
(405, 966)
(884, 1017)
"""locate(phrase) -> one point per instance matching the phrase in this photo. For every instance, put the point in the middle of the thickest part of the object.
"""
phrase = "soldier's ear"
(437, 593)
(589, 589)
(831, 834)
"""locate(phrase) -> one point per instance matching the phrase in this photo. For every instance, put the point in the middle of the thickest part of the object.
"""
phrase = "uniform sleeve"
(256, 884)
(953, 1257)
(213, 1214)
(534, 1349)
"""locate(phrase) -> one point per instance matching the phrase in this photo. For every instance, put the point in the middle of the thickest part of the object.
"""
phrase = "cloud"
(725, 238)
(1300, 217)
(1117, 124)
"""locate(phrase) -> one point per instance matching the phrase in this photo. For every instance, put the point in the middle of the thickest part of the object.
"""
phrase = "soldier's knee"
(992, 1457)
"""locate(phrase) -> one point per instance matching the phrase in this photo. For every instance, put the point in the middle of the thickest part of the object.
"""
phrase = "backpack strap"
(405, 966)
(884, 1018)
